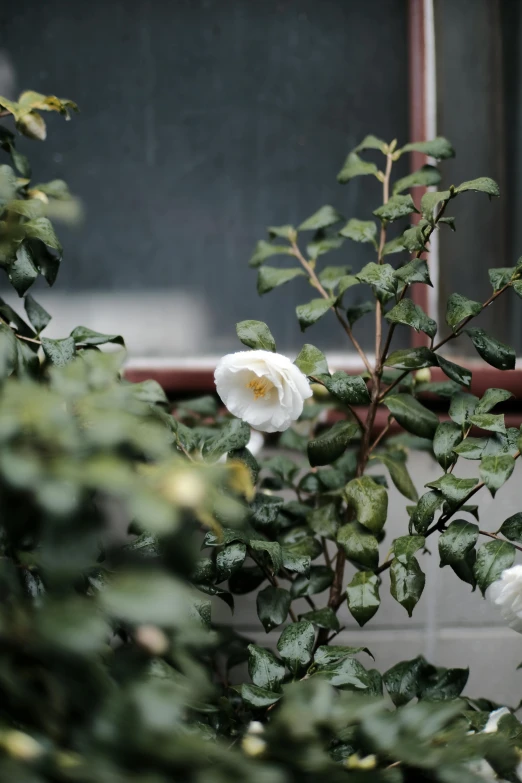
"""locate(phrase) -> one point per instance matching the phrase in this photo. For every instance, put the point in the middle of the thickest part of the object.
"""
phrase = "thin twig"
(317, 284)
(381, 435)
(273, 581)
(28, 339)
(382, 241)
(498, 538)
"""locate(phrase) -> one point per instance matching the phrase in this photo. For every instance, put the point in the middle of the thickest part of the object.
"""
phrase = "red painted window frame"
(183, 381)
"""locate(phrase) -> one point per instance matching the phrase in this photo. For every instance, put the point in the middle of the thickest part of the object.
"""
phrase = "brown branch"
(317, 284)
(381, 435)
(382, 241)
(498, 538)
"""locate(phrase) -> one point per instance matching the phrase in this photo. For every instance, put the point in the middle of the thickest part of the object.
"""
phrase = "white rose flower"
(506, 593)
(494, 717)
(264, 389)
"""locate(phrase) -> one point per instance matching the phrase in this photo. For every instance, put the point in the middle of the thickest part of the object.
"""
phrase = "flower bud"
(423, 376)
(355, 762)
(255, 727)
(21, 746)
(151, 639)
(185, 488)
(253, 745)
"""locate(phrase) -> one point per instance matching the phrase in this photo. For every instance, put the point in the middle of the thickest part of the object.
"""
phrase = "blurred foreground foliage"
(121, 526)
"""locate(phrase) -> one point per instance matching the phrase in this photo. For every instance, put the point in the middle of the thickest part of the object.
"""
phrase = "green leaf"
(229, 560)
(334, 653)
(490, 398)
(424, 177)
(494, 422)
(354, 166)
(330, 445)
(346, 282)
(363, 596)
(324, 217)
(495, 471)
(424, 512)
(360, 231)
(84, 336)
(472, 448)
(311, 312)
(265, 510)
(395, 245)
(397, 207)
(411, 358)
(22, 272)
(322, 244)
(396, 464)
(459, 307)
(331, 276)
(357, 311)
(284, 232)
(147, 597)
(234, 435)
(30, 208)
(492, 351)
(457, 549)
(59, 352)
(264, 250)
(405, 547)
(370, 502)
(414, 239)
(258, 698)
(298, 564)
(441, 388)
(359, 545)
(439, 148)
(381, 277)
(462, 406)
(403, 680)
(447, 436)
(415, 271)
(273, 604)
(480, 185)
(311, 361)
(247, 458)
(349, 389)
(410, 314)
(319, 579)
(269, 277)
(500, 276)
(265, 670)
(512, 527)
(492, 558)
(407, 582)
(454, 371)
(322, 618)
(296, 644)
(324, 521)
(42, 229)
(412, 415)
(347, 674)
(256, 335)
(455, 490)
(371, 142)
(38, 316)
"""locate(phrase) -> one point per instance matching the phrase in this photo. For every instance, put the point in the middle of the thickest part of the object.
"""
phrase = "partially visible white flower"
(255, 727)
(256, 442)
(482, 768)
(253, 745)
(492, 724)
(264, 389)
(506, 594)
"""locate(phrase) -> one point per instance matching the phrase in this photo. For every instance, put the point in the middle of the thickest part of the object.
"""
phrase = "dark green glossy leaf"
(381, 277)
(330, 445)
(495, 471)
(370, 502)
(454, 489)
(372, 142)
(439, 148)
(415, 271)
(412, 415)
(410, 314)
(512, 527)
(265, 670)
(424, 177)
(22, 272)
(480, 185)
(357, 311)
(271, 549)
(296, 644)
(311, 361)
(322, 244)
(255, 334)
(359, 545)
(273, 604)
(405, 547)
(246, 580)
(319, 578)
(334, 653)
(354, 166)
(447, 436)
(494, 422)
(492, 558)
(363, 596)
(264, 250)
(462, 406)
(411, 358)
(407, 582)
(38, 316)
(84, 336)
(322, 618)
(403, 680)
(459, 307)
(234, 435)
(397, 207)
(331, 276)
(258, 698)
(424, 512)
(454, 371)
(500, 276)
(230, 559)
(395, 245)
(360, 231)
(269, 277)
(396, 464)
(490, 398)
(59, 352)
(457, 549)
(311, 312)
(324, 217)
(349, 389)
(493, 352)
(324, 521)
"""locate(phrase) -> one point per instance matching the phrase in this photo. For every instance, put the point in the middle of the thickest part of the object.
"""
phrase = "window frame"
(197, 376)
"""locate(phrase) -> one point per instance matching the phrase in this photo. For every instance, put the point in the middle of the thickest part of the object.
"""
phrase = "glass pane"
(202, 122)
(479, 65)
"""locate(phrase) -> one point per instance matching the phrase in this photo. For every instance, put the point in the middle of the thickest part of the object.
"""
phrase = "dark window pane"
(202, 122)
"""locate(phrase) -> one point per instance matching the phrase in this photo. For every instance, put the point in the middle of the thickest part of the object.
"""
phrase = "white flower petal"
(264, 389)
(506, 595)
(494, 717)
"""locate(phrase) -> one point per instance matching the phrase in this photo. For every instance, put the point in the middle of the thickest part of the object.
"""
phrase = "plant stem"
(381, 435)
(498, 538)
(382, 242)
(317, 284)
